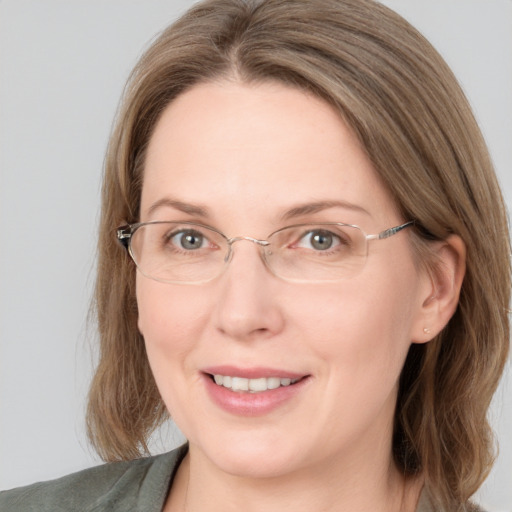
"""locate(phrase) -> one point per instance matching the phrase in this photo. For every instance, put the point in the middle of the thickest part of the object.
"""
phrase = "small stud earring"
(426, 330)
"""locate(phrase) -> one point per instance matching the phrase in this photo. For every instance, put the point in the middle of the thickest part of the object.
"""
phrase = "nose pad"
(260, 243)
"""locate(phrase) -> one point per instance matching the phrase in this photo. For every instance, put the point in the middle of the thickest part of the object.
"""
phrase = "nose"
(248, 306)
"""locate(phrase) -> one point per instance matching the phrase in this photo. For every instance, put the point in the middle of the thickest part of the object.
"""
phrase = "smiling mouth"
(242, 384)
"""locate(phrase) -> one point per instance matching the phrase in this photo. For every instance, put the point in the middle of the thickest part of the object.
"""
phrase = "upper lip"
(252, 373)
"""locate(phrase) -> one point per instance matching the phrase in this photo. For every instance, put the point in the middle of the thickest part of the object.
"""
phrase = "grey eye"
(320, 240)
(189, 240)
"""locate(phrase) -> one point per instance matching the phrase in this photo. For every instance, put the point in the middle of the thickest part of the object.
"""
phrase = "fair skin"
(240, 157)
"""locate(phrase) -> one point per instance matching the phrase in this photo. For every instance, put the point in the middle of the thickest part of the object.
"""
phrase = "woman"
(311, 364)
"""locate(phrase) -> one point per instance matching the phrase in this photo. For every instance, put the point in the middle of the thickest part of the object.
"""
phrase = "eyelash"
(340, 241)
(168, 237)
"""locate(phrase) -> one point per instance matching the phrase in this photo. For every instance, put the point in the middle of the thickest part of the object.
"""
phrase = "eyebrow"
(297, 211)
(318, 206)
(191, 209)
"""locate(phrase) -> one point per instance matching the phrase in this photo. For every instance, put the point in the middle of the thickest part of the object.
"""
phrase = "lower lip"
(252, 404)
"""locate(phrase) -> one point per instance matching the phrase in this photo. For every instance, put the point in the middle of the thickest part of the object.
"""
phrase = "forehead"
(244, 150)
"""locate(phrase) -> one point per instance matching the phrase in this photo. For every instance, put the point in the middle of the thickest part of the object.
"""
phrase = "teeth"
(257, 384)
(273, 382)
(239, 384)
(252, 385)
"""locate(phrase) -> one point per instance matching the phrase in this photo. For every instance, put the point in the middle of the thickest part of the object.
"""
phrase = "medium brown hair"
(403, 102)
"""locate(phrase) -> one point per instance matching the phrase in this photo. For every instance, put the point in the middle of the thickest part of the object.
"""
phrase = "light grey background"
(63, 64)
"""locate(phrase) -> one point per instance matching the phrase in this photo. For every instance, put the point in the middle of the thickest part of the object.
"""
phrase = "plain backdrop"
(63, 64)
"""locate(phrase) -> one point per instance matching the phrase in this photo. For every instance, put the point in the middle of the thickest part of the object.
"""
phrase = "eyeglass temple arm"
(390, 232)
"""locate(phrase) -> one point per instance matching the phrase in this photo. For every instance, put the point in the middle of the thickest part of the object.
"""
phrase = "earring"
(426, 330)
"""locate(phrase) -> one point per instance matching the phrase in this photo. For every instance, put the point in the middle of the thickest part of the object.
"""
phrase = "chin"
(253, 458)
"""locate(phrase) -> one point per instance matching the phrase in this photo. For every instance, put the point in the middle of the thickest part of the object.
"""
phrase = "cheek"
(361, 326)
(170, 320)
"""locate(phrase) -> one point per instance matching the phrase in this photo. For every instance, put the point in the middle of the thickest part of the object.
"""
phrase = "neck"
(329, 487)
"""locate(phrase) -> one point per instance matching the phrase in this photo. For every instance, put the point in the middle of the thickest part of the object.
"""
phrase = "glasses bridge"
(231, 241)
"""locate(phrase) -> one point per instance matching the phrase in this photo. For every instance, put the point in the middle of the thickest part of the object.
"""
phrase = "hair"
(404, 104)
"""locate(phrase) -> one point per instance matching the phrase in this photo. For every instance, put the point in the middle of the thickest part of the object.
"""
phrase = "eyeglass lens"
(186, 252)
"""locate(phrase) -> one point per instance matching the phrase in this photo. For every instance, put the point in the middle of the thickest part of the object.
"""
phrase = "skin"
(246, 154)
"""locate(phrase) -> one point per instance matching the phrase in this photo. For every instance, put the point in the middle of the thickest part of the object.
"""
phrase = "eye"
(319, 240)
(189, 240)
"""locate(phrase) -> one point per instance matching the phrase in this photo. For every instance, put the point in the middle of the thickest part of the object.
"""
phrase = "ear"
(439, 294)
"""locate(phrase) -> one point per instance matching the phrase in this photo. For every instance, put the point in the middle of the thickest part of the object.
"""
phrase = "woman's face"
(248, 160)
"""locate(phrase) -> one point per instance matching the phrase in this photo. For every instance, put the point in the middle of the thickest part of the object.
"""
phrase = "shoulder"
(140, 484)
(425, 504)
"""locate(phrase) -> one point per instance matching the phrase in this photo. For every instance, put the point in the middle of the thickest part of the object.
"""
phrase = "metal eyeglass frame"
(125, 233)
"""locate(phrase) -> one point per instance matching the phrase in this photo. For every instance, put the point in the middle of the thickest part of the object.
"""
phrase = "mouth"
(255, 385)
(253, 391)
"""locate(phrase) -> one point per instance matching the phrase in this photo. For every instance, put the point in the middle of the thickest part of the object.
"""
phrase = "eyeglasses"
(186, 252)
